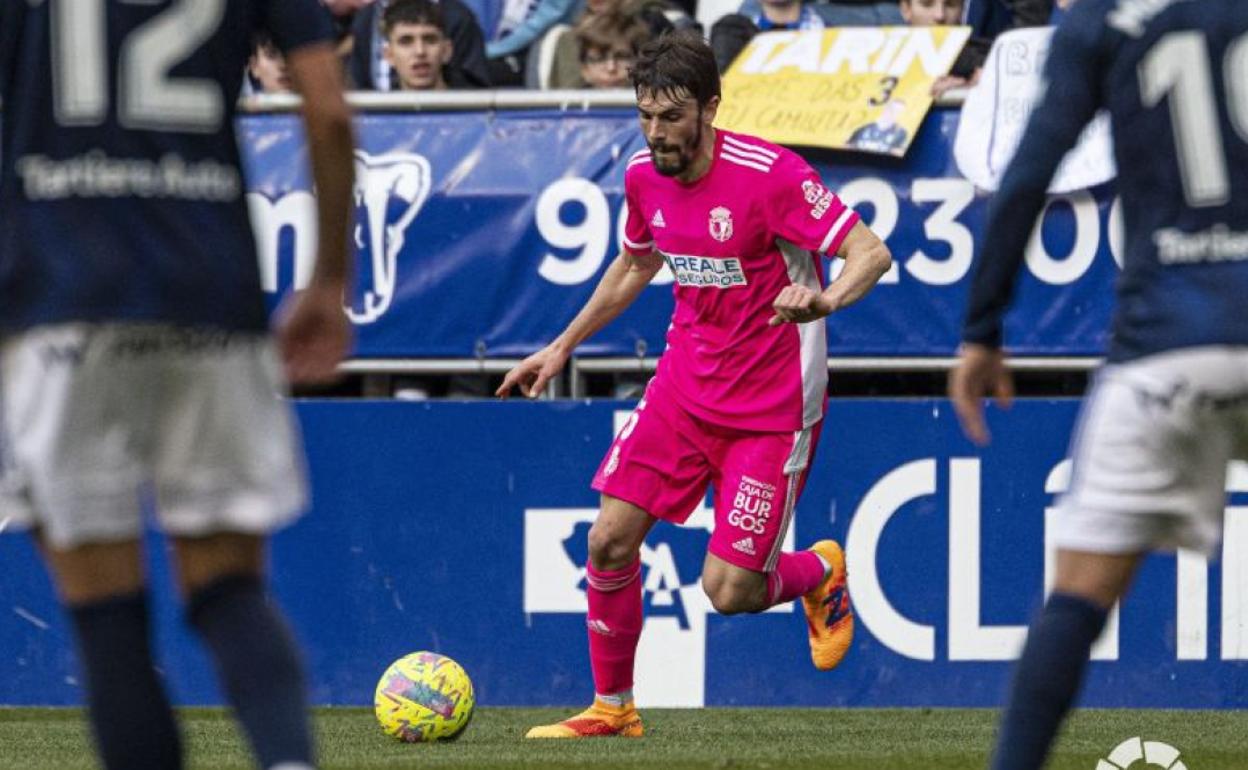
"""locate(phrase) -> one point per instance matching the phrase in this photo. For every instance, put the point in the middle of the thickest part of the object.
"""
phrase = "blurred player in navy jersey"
(135, 359)
(1170, 407)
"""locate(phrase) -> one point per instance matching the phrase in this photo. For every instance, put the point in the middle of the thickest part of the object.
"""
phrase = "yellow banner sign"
(859, 88)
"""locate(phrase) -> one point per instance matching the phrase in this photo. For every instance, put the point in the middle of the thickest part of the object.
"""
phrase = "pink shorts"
(664, 458)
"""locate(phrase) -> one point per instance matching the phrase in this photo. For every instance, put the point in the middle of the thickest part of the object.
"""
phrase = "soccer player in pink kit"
(739, 395)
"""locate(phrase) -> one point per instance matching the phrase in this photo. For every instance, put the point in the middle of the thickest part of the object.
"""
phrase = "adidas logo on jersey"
(745, 546)
(657, 220)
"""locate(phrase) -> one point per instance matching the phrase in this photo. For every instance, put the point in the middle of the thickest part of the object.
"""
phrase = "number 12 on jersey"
(147, 97)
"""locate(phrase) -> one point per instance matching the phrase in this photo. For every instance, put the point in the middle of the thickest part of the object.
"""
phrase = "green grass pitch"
(844, 739)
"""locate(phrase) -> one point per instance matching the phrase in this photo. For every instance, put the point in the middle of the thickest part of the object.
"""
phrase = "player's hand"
(313, 334)
(980, 372)
(532, 374)
(948, 83)
(799, 305)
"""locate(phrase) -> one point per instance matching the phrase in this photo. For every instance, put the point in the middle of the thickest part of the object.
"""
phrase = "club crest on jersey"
(721, 224)
(390, 190)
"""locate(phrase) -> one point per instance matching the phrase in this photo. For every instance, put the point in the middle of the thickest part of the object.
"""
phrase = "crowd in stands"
(426, 45)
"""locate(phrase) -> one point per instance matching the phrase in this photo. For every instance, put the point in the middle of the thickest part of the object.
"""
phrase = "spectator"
(266, 69)
(658, 16)
(731, 34)
(987, 19)
(565, 68)
(662, 16)
(467, 68)
(845, 13)
(521, 23)
(608, 44)
(927, 13)
(417, 47)
(932, 12)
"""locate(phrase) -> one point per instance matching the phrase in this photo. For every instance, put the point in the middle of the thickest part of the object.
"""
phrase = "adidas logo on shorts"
(745, 546)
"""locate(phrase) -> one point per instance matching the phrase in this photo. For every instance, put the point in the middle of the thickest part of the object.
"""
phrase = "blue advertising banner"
(482, 234)
(475, 548)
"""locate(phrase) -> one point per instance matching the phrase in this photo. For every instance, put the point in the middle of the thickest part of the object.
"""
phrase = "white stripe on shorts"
(799, 457)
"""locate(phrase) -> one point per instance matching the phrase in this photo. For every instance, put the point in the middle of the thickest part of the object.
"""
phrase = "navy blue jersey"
(121, 193)
(1174, 76)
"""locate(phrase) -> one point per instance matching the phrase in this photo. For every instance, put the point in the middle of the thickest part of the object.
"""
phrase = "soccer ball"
(424, 697)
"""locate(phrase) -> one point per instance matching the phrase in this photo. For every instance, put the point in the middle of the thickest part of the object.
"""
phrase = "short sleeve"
(637, 237)
(803, 211)
(297, 23)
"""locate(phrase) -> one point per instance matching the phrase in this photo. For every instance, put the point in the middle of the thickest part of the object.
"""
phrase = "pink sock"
(795, 574)
(614, 622)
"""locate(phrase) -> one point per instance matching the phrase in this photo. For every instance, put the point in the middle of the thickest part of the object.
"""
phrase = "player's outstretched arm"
(867, 259)
(620, 286)
(313, 332)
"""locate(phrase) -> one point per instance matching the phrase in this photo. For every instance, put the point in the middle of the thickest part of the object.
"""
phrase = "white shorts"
(100, 420)
(1151, 450)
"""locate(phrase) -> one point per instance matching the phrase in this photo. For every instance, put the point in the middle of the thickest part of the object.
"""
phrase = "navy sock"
(1046, 680)
(130, 714)
(259, 667)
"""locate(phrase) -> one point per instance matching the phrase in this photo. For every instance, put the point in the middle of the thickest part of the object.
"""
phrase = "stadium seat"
(711, 11)
(541, 59)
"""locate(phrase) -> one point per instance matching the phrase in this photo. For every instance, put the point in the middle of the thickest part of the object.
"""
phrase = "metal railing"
(456, 101)
(569, 100)
(579, 367)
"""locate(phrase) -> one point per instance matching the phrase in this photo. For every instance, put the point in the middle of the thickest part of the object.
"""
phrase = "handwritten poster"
(859, 88)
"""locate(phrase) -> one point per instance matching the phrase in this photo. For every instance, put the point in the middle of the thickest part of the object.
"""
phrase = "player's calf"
(259, 667)
(733, 590)
(130, 714)
(102, 586)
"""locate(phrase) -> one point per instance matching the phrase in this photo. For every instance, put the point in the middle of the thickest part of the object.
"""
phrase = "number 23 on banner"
(579, 245)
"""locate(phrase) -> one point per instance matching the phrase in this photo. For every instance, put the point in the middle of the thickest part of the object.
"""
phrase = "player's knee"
(608, 551)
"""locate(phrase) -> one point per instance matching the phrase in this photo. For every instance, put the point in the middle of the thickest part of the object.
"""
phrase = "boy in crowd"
(417, 46)
(369, 68)
(266, 69)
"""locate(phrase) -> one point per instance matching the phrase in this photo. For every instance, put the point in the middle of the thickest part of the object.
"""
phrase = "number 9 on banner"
(590, 237)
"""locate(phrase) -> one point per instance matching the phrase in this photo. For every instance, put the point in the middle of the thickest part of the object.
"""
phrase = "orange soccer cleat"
(600, 720)
(829, 618)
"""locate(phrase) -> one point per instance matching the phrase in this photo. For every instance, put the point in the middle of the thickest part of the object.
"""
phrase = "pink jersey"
(753, 224)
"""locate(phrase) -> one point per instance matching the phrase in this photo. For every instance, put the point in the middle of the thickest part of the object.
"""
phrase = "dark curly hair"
(677, 64)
